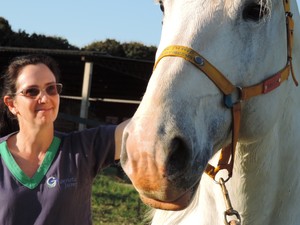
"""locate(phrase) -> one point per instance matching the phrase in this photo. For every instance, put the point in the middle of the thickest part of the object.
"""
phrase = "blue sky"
(83, 22)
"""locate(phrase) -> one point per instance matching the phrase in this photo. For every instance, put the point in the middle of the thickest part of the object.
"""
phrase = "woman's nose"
(43, 96)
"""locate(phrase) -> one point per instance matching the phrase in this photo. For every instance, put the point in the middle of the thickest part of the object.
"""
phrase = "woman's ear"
(9, 102)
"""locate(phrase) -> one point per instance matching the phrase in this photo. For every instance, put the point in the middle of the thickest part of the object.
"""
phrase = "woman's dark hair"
(8, 122)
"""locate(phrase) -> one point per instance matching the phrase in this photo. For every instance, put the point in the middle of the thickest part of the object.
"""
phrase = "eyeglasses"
(50, 89)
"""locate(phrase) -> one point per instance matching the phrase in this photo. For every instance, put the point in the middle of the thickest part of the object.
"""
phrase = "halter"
(229, 90)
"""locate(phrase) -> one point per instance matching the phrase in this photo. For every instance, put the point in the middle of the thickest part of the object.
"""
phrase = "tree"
(136, 50)
(109, 46)
(21, 39)
(132, 50)
(4, 25)
(5, 31)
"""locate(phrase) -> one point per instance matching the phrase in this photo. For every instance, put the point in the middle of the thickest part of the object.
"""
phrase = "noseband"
(229, 90)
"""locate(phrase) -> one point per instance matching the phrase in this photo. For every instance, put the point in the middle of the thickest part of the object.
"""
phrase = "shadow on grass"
(115, 201)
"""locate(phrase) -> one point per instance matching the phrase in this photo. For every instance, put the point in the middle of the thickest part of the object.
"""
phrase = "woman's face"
(41, 110)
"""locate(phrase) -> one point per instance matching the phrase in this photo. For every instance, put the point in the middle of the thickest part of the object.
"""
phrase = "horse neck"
(265, 171)
(265, 185)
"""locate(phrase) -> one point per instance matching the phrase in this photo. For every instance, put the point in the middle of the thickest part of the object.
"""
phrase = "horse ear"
(9, 102)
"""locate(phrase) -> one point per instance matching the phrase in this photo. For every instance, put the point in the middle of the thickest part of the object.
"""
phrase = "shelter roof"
(113, 77)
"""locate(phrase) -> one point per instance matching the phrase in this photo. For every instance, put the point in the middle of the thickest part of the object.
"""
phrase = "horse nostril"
(178, 158)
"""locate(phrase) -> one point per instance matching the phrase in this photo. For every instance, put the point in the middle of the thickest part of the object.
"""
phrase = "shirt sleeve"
(93, 147)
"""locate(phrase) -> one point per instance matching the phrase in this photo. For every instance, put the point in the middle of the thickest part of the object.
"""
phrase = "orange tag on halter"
(271, 83)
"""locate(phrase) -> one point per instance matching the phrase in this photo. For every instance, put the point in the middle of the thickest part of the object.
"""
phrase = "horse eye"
(254, 12)
(162, 8)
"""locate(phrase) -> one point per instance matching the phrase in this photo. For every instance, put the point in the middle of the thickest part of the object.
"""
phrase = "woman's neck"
(34, 141)
(29, 147)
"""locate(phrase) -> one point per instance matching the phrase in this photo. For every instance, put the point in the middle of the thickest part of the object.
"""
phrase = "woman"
(46, 176)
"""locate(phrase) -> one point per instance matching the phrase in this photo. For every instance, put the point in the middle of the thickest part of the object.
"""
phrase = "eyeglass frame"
(58, 87)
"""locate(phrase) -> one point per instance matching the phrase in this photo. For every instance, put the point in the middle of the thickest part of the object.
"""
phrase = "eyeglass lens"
(52, 89)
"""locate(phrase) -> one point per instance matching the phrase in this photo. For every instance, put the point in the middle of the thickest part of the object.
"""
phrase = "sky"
(84, 22)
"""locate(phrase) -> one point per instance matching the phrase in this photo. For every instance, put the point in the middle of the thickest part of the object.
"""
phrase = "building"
(97, 88)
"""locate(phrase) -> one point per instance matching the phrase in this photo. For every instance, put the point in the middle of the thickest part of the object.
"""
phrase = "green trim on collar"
(16, 171)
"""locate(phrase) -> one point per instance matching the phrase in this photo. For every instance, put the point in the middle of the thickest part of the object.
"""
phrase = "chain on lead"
(229, 209)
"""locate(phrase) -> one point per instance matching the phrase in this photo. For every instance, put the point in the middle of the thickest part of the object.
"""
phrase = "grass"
(116, 202)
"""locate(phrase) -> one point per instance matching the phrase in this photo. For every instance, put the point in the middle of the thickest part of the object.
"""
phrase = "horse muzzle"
(160, 169)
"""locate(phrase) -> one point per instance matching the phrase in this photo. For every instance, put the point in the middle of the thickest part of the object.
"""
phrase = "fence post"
(86, 88)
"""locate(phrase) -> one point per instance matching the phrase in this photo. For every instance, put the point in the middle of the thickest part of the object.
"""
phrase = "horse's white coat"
(265, 187)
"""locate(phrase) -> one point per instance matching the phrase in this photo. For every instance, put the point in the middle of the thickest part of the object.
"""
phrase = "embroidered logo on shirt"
(68, 182)
(51, 182)
(63, 183)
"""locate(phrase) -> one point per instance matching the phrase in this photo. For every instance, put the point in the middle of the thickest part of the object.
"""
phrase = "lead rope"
(229, 209)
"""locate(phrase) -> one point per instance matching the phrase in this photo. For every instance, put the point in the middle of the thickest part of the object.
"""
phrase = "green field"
(116, 202)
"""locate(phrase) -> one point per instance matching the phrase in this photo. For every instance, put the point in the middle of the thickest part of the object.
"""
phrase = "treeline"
(132, 50)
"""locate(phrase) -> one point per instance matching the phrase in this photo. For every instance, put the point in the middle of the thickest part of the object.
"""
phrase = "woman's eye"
(32, 92)
(255, 12)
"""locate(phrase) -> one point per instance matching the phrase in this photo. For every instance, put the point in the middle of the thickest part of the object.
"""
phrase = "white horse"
(183, 120)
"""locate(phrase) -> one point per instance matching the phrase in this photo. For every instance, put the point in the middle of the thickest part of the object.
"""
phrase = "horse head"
(183, 119)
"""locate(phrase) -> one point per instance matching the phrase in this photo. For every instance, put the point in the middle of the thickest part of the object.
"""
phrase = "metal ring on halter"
(228, 98)
(223, 179)
(240, 90)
